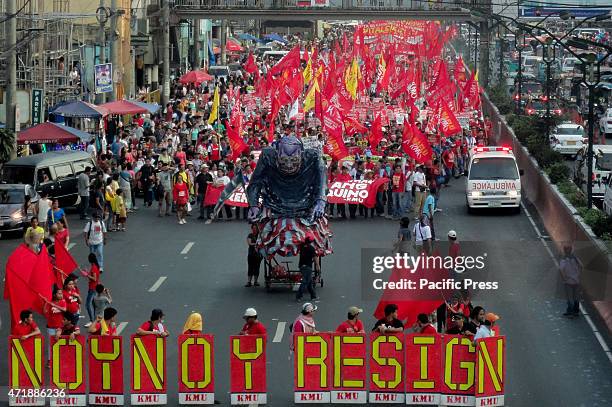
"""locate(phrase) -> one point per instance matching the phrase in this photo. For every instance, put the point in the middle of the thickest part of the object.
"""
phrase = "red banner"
(386, 384)
(459, 355)
(415, 144)
(148, 381)
(237, 198)
(423, 369)
(490, 371)
(349, 372)
(332, 124)
(448, 123)
(68, 370)
(196, 369)
(248, 369)
(105, 370)
(26, 369)
(355, 192)
(312, 367)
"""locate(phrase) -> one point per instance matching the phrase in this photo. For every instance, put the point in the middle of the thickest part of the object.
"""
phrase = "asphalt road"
(551, 360)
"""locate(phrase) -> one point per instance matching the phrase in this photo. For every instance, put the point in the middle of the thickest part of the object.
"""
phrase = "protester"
(493, 318)
(105, 324)
(193, 324)
(72, 296)
(422, 236)
(95, 238)
(252, 326)
(163, 190)
(454, 249)
(304, 323)
(308, 258)
(180, 197)
(62, 236)
(455, 327)
(429, 207)
(253, 258)
(101, 300)
(420, 186)
(69, 327)
(54, 312)
(55, 214)
(423, 325)
(120, 211)
(570, 270)
(202, 180)
(477, 317)
(93, 279)
(42, 209)
(389, 324)
(26, 328)
(83, 182)
(352, 324)
(154, 326)
(404, 237)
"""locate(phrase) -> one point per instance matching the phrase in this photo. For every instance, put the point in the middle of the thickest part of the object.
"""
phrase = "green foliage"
(523, 128)
(600, 223)
(558, 172)
(500, 97)
(7, 139)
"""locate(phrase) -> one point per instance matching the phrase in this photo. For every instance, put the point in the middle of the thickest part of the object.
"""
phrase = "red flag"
(448, 123)
(289, 61)
(250, 66)
(332, 124)
(389, 71)
(415, 144)
(471, 92)
(42, 279)
(376, 133)
(305, 55)
(236, 116)
(236, 142)
(460, 72)
(270, 135)
(352, 126)
(64, 262)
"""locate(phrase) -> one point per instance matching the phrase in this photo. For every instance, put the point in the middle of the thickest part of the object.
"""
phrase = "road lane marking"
(121, 327)
(159, 282)
(280, 331)
(187, 247)
(71, 245)
(586, 316)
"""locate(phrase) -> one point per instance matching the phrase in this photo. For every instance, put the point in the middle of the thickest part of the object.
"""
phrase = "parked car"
(12, 199)
(605, 123)
(54, 172)
(568, 65)
(602, 168)
(537, 106)
(567, 138)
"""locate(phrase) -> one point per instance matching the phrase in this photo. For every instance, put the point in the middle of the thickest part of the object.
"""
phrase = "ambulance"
(493, 179)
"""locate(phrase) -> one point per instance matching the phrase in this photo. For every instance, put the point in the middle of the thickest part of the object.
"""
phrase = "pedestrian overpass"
(311, 10)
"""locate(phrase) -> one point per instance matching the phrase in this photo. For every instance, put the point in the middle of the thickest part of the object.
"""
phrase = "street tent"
(151, 107)
(195, 77)
(78, 108)
(232, 46)
(275, 37)
(52, 133)
(123, 107)
(248, 37)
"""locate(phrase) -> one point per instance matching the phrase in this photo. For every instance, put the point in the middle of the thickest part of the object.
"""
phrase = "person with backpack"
(154, 326)
(95, 238)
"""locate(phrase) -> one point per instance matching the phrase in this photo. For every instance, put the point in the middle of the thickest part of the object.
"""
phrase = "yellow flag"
(309, 100)
(214, 112)
(308, 71)
(350, 81)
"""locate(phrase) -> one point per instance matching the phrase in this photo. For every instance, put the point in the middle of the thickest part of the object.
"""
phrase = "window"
(43, 175)
(79, 166)
(63, 171)
(18, 175)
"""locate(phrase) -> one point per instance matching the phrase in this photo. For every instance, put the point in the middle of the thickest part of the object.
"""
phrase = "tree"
(7, 145)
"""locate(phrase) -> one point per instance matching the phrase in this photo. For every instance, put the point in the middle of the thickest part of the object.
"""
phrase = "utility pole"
(114, 49)
(11, 89)
(101, 97)
(223, 42)
(165, 94)
(197, 61)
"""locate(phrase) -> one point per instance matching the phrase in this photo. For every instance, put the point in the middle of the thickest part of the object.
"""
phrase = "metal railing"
(331, 4)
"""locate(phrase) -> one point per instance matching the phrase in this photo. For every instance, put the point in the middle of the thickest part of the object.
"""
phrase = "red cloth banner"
(68, 370)
(349, 372)
(312, 367)
(353, 127)
(490, 371)
(105, 370)
(332, 124)
(248, 369)
(64, 262)
(423, 369)
(386, 379)
(448, 123)
(355, 192)
(289, 61)
(459, 356)
(26, 369)
(196, 369)
(415, 144)
(237, 198)
(148, 381)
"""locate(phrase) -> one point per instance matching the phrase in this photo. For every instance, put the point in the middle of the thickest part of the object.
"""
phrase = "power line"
(16, 13)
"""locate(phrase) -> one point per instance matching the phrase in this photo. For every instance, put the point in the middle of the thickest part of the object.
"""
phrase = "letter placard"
(312, 367)
(106, 370)
(490, 371)
(459, 360)
(148, 384)
(196, 369)
(386, 369)
(26, 369)
(248, 369)
(349, 372)
(68, 370)
(423, 369)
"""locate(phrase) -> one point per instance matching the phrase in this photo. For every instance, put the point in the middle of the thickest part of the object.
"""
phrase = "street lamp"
(548, 57)
(519, 44)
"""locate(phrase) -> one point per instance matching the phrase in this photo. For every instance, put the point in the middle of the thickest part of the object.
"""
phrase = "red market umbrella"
(123, 107)
(51, 133)
(232, 46)
(195, 77)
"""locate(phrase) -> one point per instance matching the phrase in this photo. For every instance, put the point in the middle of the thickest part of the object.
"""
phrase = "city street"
(551, 360)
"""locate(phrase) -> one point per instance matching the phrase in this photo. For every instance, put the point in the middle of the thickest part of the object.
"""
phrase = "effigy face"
(289, 155)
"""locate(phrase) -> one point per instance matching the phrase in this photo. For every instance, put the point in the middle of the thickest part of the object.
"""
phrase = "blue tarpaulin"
(78, 108)
(249, 37)
(151, 107)
(275, 37)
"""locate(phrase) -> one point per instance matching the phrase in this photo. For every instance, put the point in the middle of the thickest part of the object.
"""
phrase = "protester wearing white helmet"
(252, 326)
(453, 247)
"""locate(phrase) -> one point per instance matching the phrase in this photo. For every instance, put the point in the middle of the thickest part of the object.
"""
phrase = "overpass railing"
(403, 5)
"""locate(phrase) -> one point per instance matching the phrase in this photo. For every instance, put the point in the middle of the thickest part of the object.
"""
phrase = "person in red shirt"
(180, 196)
(252, 326)
(54, 311)
(154, 326)
(453, 249)
(26, 328)
(180, 155)
(398, 182)
(353, 324)
(448, 158)
(72, 296)
(344, 176)
(214, 151)
(93, 279)
(62, 236)
(106, 325)
(423, 326)
(369, 165)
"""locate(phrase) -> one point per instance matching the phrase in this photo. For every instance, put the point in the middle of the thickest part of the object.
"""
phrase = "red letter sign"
(459, 356)
(68, 370)
(196, 369)
(312, 367)
(148, 385)
(386, 368)
(106, 370)
(349, 373)
(248, 369)
(423, 369)
(26, 360)
(490, 371)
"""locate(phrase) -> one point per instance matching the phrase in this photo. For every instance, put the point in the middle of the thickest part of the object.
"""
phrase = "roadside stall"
(53, 136)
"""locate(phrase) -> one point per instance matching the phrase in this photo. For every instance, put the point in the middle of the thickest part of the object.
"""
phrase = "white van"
(602, 169)
(493, 179)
